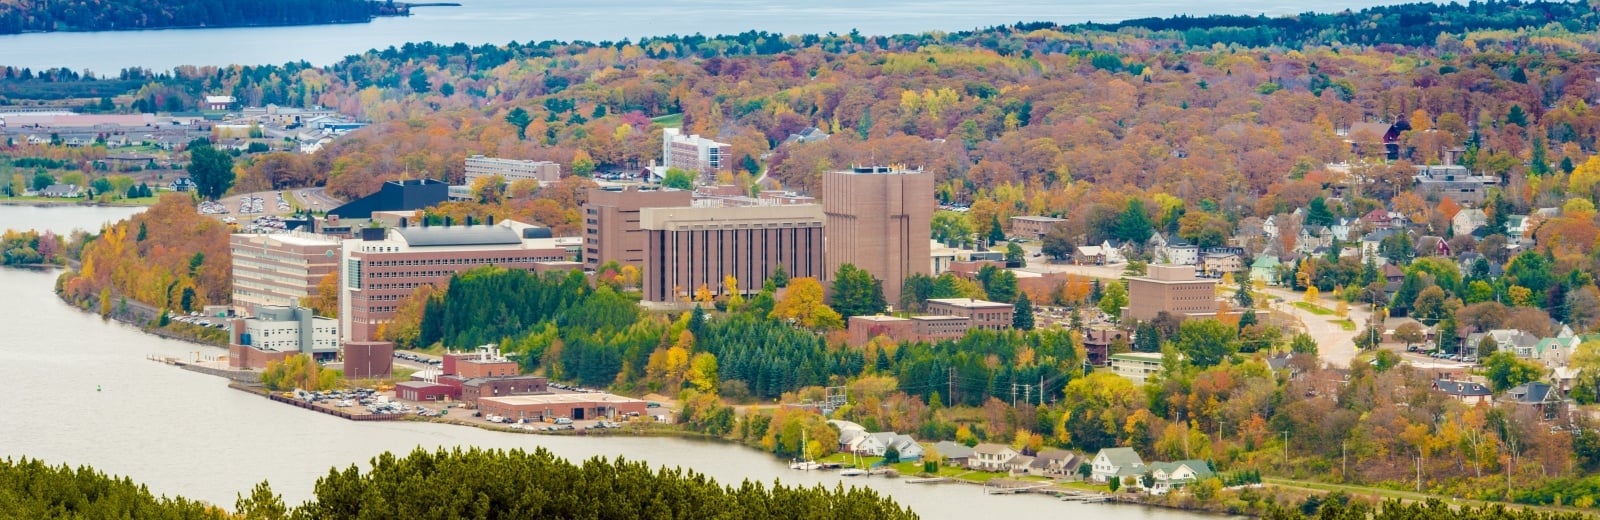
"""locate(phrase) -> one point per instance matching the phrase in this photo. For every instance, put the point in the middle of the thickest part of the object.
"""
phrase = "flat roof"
(420, 385)
(878, 318)
(479, 235)
(542, 399)
(1038, 219)
(934, 317)
(299, 239)
(1138, 356)
(970, 303)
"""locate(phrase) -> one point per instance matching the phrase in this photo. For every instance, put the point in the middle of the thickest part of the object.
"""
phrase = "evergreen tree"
(1134, 225)
(518, 117)
(856, 292)
(996, 234)
(1022, 317)
(1318, 214)
(780, 276)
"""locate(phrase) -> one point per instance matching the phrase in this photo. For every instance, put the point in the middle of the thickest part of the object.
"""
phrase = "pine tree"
(1022, 317)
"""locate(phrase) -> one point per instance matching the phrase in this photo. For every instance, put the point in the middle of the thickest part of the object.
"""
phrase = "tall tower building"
(611, 223)
(879, 219)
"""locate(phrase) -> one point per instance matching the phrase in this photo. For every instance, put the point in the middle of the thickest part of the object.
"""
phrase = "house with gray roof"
(1116, 463)
(1054, 462)
(1518, 342)
(1540, 396)
(1468, 392)
(992, 457)
(1168, 476)
(61, 191)
(955, 454)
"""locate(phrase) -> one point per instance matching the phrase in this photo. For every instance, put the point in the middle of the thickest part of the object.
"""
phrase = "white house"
(991, 457)
(1173, 475)
(1468, 220)
(1115, 463)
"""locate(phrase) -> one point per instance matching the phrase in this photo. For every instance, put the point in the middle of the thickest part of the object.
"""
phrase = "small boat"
(805, 465)
(852, 472)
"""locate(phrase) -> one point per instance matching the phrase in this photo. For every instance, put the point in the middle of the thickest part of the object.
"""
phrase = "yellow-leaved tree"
(802, 304)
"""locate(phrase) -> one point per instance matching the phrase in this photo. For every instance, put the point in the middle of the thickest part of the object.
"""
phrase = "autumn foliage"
(163, 257)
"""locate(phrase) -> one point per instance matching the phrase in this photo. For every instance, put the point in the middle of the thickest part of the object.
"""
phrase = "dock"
(1002, 486)
(925, 480)
(240, 376)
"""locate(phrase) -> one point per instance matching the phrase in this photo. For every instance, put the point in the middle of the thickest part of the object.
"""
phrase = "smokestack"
(469, 220)
(447, 222)
(491, 220)
(403, 222)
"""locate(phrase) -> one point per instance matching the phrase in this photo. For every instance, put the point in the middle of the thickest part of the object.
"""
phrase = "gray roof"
(993, 449)
(1529, 393)
(459, 236)
(1462, 388)
(953, 450)
(1122, 457)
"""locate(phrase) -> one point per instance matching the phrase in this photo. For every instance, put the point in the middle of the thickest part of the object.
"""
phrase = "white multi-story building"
(512, 170)
(693, 153)
(278, 269)
(290, 329)
(1136, 366)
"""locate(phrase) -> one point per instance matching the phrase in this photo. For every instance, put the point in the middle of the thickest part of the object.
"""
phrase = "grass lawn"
(1314, 308)
(1346, 324)
(669, 120)
(1395, 493)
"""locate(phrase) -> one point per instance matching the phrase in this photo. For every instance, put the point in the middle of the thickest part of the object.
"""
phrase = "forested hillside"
(19, 16)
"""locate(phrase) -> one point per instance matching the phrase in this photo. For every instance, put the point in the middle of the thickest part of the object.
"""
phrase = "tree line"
(110, 15)
(473, 483)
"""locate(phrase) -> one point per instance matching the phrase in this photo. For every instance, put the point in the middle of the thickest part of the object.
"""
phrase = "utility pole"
(1419, 474)
(1344, 463)
(950, 397)
(1027, 393)
(1013, 395)
(1286, 447)
(1041, 389)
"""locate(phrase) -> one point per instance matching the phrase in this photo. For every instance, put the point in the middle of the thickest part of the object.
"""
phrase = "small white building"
(292, 329)
(1115, 463)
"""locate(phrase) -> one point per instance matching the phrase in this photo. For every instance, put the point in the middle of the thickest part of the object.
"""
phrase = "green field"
(673, 120)
(1346, 324)
(1313, 308)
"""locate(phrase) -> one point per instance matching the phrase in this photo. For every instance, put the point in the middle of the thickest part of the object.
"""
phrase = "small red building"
(368, 359)
(418, 391)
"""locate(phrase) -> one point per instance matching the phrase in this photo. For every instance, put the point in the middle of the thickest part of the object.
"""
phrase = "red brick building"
(1097, 342)
(1170, 288)
(983, 314)
(419, 391)
(473, 390)
(879, 219)
(611, 223)
(378, 274)
(572, 406)
(368, 359)
(242, 357)
(687, 247)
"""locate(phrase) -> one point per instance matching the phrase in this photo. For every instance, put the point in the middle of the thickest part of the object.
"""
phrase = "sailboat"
(855, 467)
(805, 464)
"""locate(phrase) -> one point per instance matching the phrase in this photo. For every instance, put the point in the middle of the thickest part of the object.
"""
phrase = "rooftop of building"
(298, 238)
(882, 170)
(1030, 218)
(441, 236)
(969, 303)
(1138, 356)
(555, 399)
(676, 218)
(879, 318)
(938, 318)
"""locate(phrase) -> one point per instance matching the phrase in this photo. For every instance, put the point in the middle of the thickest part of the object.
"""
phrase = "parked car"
(563, 420)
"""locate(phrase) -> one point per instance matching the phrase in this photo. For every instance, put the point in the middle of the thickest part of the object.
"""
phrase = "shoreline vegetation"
(126, 15)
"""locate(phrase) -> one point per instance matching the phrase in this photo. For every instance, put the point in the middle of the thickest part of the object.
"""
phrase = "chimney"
(403, 222)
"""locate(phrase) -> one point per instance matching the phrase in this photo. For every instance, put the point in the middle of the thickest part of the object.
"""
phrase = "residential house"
(1518, 226)
(1217, 264)
(1452, 182)
(1054, 463)
(62, 191)
(1465, 391)
(1343, 229)
(1313, 237)
(1136, 366)
(878, 444)
(992, 457)
(1106, 253)
(1540, 396)
(1432, 246)
(1169, 476)
(1468, 261)
(1250, 228)
(1097, 340)
(1377, 219)
(1371, 242)
(955, 454)
(1177, 252)
(1265, 269)
(1269, 227)
(1115, 463)
(1468, 220)
(1515, 341)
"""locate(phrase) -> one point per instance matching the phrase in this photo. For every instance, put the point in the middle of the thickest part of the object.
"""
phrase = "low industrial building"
(1136, 366)
(511, 170)
(419, 391)
(486, 362)
(572, 406)
(474, 390)
(982, 314)
(1033, 227)
(1171, 288)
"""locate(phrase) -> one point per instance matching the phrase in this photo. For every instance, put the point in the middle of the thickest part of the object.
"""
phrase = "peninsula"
(24, 16)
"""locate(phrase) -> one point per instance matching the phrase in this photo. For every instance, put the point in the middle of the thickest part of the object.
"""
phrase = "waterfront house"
(1168, 476)
(955, 454)
(992, 457)
(61, 191)
(1053, 462)
(1115, 463)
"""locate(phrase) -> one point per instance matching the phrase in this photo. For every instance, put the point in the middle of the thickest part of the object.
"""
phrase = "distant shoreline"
(54, 203)
(400, 9)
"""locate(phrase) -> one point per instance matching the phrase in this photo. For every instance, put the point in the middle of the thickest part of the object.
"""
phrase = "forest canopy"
(19, 16)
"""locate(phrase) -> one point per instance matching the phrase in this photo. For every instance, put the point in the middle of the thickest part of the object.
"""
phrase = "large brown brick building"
(279, 269)
(690, 247)
(611, 223)
(1170, 288)
(984, 314)
(379, 273)
(879, 218)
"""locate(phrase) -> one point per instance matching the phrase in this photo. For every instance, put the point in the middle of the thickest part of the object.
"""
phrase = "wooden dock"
(925, 480)
(1001, 486)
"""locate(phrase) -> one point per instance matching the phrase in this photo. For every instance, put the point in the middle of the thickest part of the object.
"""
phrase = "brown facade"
(577, 407)
(983, 314)
(279, 269)
(242, 357)
(862, 329)
(1034, 227)
(1173, 289)
(472, 368)
(368, 359)
(419, 391)
(879, 219)
(690, 247)
(472, 390)
(376, 279)
(939, 328)
(611, 223)
(1097, 342)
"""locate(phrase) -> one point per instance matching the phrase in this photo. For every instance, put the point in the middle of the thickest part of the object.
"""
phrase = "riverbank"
(46, 202)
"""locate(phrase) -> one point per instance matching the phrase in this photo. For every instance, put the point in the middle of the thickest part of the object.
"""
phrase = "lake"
(501, 21)
(83, 393)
